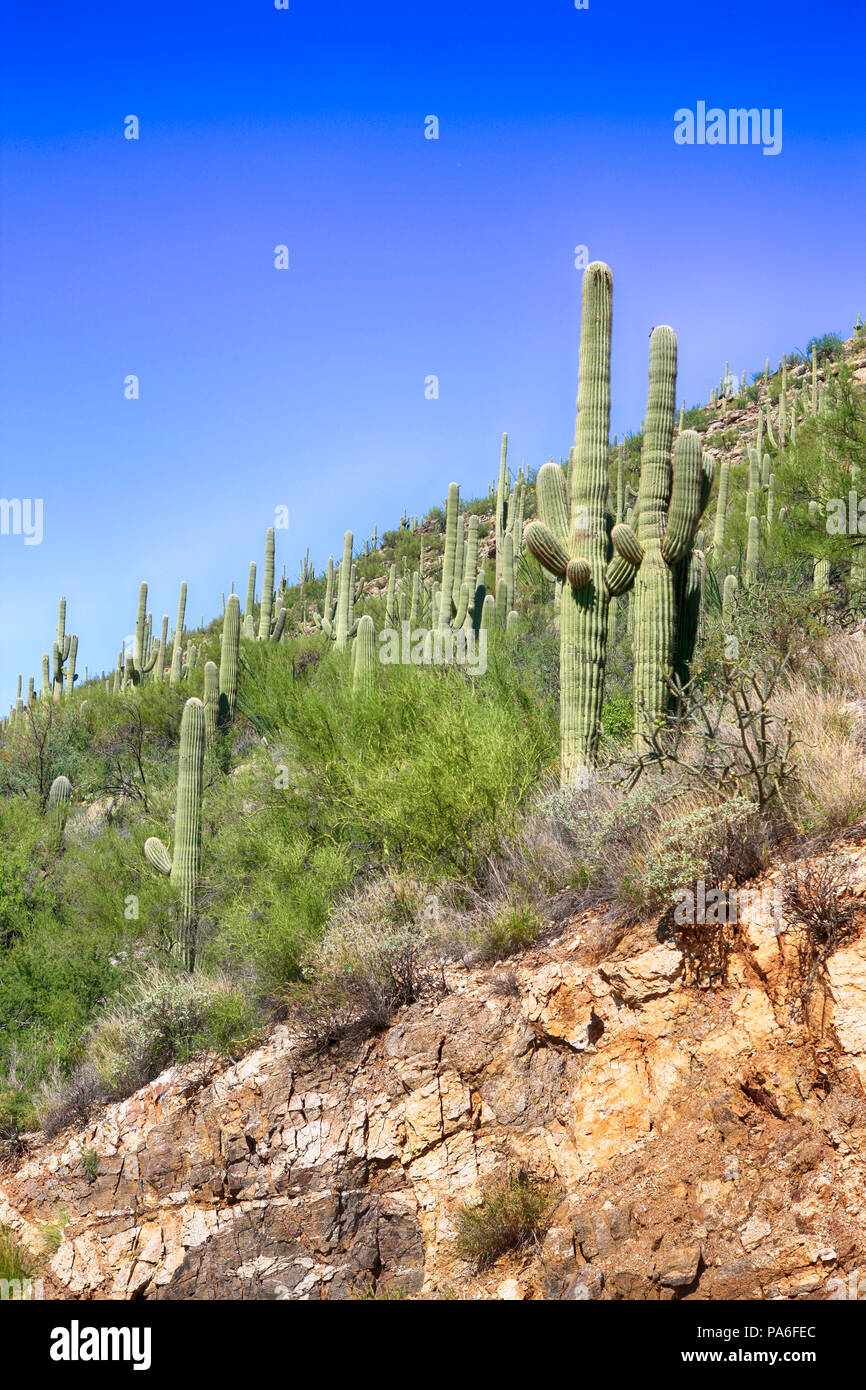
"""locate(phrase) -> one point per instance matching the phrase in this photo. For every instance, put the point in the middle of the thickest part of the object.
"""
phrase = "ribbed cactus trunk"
(228, 674)
(364, 673)
(211, 702)
(583, 612)
(267, 607)
(654, 614)
(670, 501)
(721, 508)
(177, 648)
(186, 864)
(343, 621)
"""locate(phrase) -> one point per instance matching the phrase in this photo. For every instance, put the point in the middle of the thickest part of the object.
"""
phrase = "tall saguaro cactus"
(573, 539)
(229, 650)
(671, 498)
(267, 588)
(177, 649)
(143, 661)
(185, 867)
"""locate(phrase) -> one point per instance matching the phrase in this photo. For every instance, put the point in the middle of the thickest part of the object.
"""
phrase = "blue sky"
(408, 257)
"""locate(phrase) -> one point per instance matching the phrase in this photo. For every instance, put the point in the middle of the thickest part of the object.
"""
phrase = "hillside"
(345, 945)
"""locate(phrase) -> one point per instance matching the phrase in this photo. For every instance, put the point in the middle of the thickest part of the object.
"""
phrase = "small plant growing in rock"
(514, 1211)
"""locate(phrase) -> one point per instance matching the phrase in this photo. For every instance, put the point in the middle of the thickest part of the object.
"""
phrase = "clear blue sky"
(408, 257)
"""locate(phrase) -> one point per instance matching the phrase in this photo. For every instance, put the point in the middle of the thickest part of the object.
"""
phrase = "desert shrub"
(514, 1211)
(71, 1102)
(375, 957)
(165, 1018)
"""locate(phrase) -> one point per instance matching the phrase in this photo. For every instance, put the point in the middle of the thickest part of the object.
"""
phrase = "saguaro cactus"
(185, 867)
(267, 607)
(338, 624)
(60, 792)
(177, 649)
(228, 676)
(63, 655)
(572, 538)
(143, 661)
(669, 506)
(721, 508)
(211, 702)
(364, 673)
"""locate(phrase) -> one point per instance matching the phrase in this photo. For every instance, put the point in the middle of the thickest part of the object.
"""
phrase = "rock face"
(704, 1131)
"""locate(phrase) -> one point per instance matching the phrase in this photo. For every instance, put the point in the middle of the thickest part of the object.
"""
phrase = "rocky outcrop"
(704, 1130)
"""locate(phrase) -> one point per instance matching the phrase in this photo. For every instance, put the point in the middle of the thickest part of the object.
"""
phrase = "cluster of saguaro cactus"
(510, 507)
(338, 621)
(461, 594)
(574, 538)
(184, 866)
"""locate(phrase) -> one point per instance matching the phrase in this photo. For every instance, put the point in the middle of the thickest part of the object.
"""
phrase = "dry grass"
(830, 730)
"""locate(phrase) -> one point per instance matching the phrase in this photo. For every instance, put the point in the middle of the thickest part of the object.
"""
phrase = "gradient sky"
(409, 257)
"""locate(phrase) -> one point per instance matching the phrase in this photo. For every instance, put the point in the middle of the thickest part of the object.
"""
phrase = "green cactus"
(338, 622)
(721, 508)
(364, 657)
(391, 598)
(177, 648)
(60, 792)
(572, 538)
(251, 594)
(184, 869)
(229, 652)
(729, 596)
(669, 507)
(267, 607)
(753, 552)
(821, 577)
(211, 702)
(143, 661)
(64, 652)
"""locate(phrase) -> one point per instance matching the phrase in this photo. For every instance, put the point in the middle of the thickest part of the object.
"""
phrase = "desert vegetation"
(629, 670)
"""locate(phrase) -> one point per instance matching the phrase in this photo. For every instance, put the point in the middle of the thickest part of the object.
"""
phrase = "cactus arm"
(684, 511)
(157, 855)
(547, 549)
